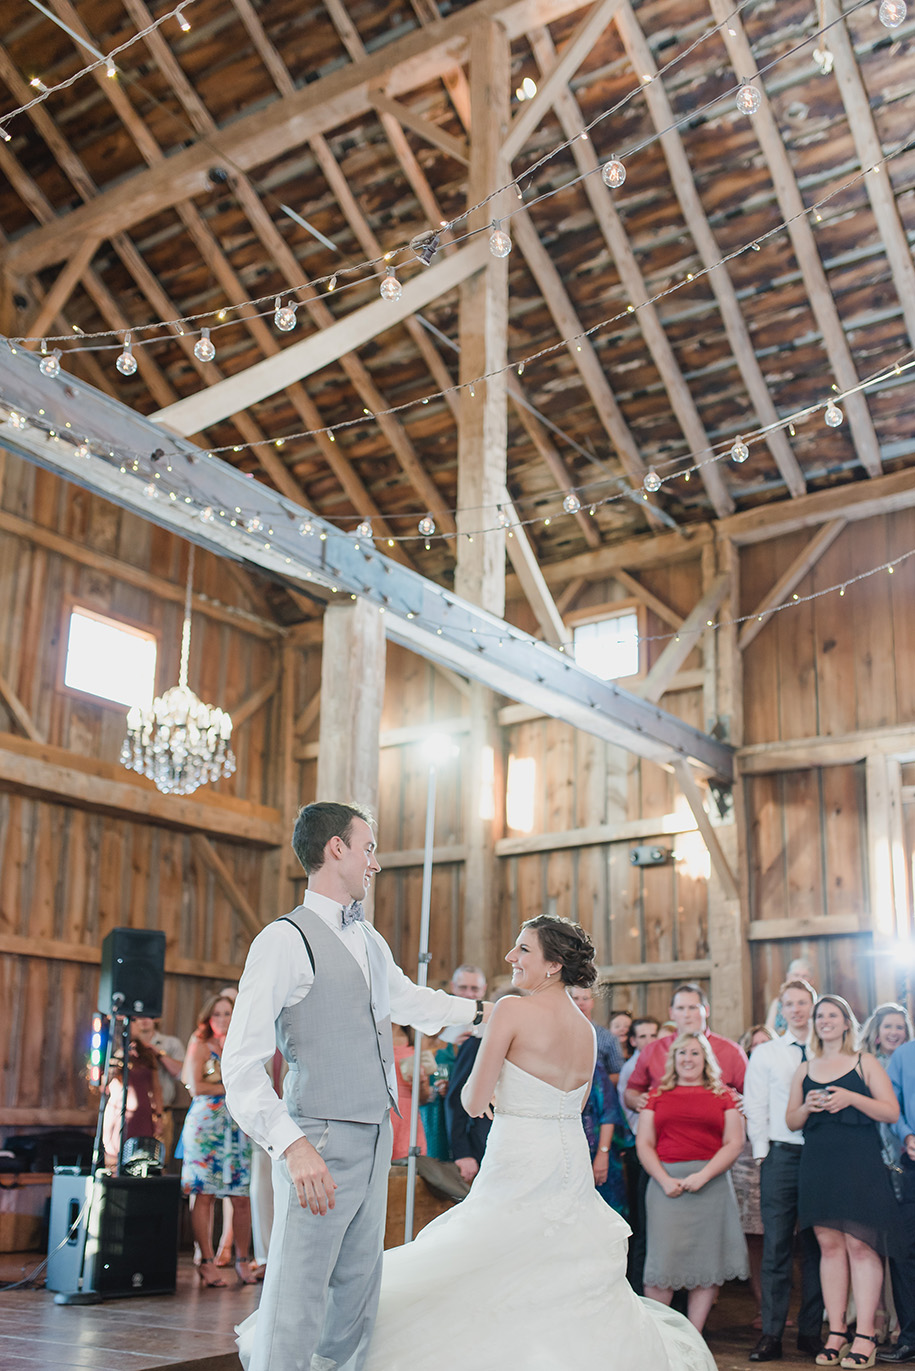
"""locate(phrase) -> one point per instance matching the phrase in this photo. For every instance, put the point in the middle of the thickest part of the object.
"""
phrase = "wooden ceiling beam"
(794, 213)
(430, 133)
(586, 360)
(523, 557)
(270, 131)
(853, 501)
(454, 81)
(684, 187)
(869, 148)
(68, 279)
(686, 640)
(635, 554)
(648, 599)
(549, 455)
(617, 240)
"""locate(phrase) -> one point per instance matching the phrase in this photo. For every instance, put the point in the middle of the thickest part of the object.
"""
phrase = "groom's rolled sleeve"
(272, 977)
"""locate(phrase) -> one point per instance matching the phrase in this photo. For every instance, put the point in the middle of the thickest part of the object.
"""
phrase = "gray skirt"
(694, 1240)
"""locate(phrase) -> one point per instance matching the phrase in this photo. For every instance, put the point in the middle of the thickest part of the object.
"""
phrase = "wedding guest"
(609, 1052)
(689, 1011)
(799, 970)
(777, 1151)
(404, 1053)
(143, 1116)
(837, 1097)
(901, 1071)
(217, 1154)
(641, 1033)
(468, 982)
(745, 1175)
(602, 1118)
(620, 1024)
(690, 1133)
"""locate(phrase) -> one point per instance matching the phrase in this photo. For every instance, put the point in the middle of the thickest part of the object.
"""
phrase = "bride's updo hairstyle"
(567, 943)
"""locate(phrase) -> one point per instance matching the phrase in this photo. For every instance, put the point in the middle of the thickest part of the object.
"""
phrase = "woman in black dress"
(837, 1098)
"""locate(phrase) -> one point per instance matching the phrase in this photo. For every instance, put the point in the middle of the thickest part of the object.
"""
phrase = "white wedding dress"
(528, 1271)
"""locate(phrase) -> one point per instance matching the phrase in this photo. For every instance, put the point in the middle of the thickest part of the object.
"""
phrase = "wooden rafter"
(803, 241)
(523, 558)
(616, 238)
(686, 639)
(684, 187)
(260, 137)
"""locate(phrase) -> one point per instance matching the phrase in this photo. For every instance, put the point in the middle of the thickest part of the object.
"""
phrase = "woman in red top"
(689, 1134)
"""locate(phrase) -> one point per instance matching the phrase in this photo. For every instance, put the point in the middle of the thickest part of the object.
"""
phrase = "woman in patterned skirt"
(217, 1155)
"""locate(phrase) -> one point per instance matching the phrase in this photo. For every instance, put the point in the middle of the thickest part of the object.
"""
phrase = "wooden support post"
(19, 712)
(482, 452)
(352, 692)
(886, 869)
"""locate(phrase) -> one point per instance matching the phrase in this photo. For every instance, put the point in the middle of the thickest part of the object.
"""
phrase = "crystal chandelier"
(179, 742)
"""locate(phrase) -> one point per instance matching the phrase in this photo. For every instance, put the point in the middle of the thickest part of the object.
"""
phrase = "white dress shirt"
(278, 973)
(627, 1070)
(766, 1090)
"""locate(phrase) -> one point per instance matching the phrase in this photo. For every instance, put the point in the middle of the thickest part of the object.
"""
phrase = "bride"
(529, 1269)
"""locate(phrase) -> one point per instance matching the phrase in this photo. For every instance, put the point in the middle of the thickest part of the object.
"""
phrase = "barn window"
(110, 659)
(609, 647)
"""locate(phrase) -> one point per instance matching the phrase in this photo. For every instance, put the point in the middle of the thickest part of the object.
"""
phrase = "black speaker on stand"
(133, 973)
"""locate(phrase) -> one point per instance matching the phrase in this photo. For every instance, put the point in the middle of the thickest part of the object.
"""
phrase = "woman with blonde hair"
(690, 1133)
(837, 1098)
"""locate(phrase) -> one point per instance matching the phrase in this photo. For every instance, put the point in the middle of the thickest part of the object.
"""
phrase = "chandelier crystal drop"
(204, 350)
(613, 174)
(126, 363)
(892, 13)
(739, 451)
(748, 99)
(500, 245)
(50, 365)
(179, 742)
(391, 289)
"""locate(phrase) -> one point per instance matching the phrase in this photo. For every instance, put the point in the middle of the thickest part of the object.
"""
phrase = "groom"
(322, 985)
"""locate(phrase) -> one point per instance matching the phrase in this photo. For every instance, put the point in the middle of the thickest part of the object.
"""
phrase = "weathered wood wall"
(71, 869)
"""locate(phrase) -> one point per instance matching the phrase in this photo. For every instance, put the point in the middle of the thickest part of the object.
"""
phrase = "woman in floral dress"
(217, 1154)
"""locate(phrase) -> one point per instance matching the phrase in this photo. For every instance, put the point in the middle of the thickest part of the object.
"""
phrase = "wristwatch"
(478, 1016)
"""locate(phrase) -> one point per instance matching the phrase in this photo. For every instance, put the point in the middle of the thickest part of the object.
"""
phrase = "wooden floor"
(193, 1330)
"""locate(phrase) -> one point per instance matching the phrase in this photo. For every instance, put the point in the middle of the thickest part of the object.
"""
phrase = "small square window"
(609, 648)
(111, 660)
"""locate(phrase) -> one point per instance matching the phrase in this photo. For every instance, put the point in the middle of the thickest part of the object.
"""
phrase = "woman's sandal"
(245, 1273)
(859, 1360)
(832, 1356)
(211, 1278)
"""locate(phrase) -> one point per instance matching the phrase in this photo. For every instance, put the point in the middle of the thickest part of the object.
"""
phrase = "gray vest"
(340, 1052)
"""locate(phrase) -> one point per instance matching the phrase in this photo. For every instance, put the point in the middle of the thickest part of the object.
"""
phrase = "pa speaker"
(133, 971)
(131, 1246)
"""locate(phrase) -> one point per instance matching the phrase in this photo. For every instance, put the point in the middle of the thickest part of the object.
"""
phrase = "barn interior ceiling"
(749, 269)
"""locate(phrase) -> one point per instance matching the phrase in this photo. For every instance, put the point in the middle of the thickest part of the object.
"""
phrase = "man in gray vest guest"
(322, 984)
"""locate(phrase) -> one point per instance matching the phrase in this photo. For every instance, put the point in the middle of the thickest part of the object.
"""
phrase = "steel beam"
(130, 455)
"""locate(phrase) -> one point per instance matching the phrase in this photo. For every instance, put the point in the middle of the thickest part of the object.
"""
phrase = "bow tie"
(353, 913)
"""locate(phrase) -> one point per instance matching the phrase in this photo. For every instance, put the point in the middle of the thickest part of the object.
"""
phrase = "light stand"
(437, 748)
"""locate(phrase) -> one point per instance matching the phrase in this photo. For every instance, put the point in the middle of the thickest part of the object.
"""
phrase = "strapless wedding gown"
(528, 1271)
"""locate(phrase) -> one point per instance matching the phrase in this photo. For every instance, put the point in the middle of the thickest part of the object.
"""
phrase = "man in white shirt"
(322, 984)
(778, 1150)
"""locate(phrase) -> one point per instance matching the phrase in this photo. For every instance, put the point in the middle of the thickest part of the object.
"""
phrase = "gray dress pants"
(321, 1289)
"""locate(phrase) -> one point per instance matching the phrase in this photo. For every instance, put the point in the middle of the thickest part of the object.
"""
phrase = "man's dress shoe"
(903, 1351)
(767, 1349)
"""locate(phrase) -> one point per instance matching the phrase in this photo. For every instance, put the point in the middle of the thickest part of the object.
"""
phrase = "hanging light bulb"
(207, 514)
(500, 245)
(283, 316)
(613, 174)
(254, 524)
(427, 526)
(50, 365)
(748, 99)
(502, 518)
(364, 530)
(127, 363)
(571, 504)
(739, 451)
(652, 481)
(204, 350)
(833, 415)
(391, 289)
(151, 490)
(111, 70)
(306, 527)
(82, 450)
(891, 13)
(183, 24)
